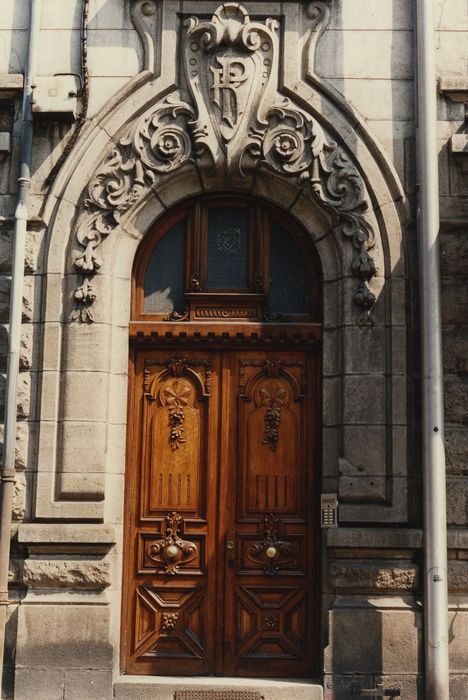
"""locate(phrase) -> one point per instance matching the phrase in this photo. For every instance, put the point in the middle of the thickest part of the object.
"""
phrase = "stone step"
(162, 688)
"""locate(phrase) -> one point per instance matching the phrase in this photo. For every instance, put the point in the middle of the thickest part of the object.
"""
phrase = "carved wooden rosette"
(272, 552)
(170, 552)
(175, 395)
(235, 121)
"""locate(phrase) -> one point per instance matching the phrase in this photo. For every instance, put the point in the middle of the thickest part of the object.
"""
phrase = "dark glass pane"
(289, 283)
(164, 277)
(228, 239)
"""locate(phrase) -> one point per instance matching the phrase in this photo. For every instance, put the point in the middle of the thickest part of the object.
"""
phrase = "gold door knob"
(271, 552)
(230, 544)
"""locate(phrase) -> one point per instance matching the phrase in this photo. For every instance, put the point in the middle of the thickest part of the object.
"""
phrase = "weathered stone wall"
(66, 577)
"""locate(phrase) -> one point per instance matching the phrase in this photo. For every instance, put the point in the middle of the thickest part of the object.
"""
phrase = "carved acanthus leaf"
(230, 119)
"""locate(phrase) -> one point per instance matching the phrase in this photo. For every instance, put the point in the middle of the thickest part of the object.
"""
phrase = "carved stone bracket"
(170, 552)
(272, 552)
(227, 117)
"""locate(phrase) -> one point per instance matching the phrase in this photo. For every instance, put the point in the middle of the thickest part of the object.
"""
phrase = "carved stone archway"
(283, 137)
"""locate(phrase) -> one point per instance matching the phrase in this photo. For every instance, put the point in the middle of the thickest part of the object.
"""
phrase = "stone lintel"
(454, 87)
(10, 85)
(389, 538)
(60, 537)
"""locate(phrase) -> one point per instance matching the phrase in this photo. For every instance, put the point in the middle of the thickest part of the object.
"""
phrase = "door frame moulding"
(67, 490)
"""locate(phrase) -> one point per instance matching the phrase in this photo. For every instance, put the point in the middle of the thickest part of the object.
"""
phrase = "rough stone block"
(374, 576)
(48, 537)
(457, 501)
(58, 573)
(81, 486)
(456, 400)
(373, 14)
(458, 686)
(22, 438)
(410, 687)
(455, 348)
(19, 497)
(77, 635)
(365, 54)
(92, 685)
(451, 53)
(40, 683)
(340, 687)
(364, 399)
(114, 52)
(364, 450)
(83, 446)
(458, 576)
(378, 99)
(78, 390)
(454, 302)
(364, 349)
(358, 488)
(458, 641)
(23, 394)
(330, 401)
(456, 451)
(389, 641)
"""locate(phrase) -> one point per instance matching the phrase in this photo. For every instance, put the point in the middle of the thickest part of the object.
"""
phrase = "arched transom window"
(227, 259)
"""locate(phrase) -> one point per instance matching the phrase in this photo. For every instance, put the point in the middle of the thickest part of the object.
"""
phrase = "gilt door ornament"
(272, 552)
(171, 552)
(229, 118)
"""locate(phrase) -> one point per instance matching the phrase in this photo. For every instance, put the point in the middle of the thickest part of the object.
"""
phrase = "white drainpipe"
(7, 473)
(433, 451)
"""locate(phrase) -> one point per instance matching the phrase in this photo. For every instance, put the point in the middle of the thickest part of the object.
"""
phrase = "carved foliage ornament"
(227, 117)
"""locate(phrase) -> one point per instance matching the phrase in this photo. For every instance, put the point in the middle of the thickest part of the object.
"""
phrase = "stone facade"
(344, 109)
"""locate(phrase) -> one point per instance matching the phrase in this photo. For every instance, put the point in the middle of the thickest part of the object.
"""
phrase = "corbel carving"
(228, 116)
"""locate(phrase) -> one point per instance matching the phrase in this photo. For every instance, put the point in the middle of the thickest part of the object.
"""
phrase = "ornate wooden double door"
(221, 566)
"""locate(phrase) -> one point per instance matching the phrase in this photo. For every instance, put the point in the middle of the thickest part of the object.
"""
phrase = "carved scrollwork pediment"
(228, 117)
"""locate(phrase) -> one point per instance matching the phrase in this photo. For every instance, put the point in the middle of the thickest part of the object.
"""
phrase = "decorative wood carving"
(228, 117)
(176, 396)
(272, 552)
(171, 551)
(176, 367)
(209, 312)
(273, 396)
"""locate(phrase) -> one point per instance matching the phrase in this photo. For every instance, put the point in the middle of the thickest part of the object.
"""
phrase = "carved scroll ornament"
(228, 116)
(272, 552)
(170, 552)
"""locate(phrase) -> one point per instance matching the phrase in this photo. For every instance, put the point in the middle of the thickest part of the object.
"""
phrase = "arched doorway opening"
(221, 566)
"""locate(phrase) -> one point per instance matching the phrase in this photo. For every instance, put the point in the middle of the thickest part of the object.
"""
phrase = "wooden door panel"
(271, 583)
(271, 622)
(172, 564)
(222, 557)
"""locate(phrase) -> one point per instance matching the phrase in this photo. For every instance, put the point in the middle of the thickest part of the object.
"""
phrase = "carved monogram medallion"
(229, 118)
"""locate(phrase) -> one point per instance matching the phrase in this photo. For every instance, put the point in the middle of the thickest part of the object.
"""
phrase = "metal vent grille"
(217, 695)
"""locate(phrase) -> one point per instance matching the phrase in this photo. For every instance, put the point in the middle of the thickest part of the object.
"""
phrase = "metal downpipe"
(7, 473)
(433, 452)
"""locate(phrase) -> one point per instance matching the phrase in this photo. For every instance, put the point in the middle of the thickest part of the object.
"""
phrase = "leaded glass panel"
(228, 248)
